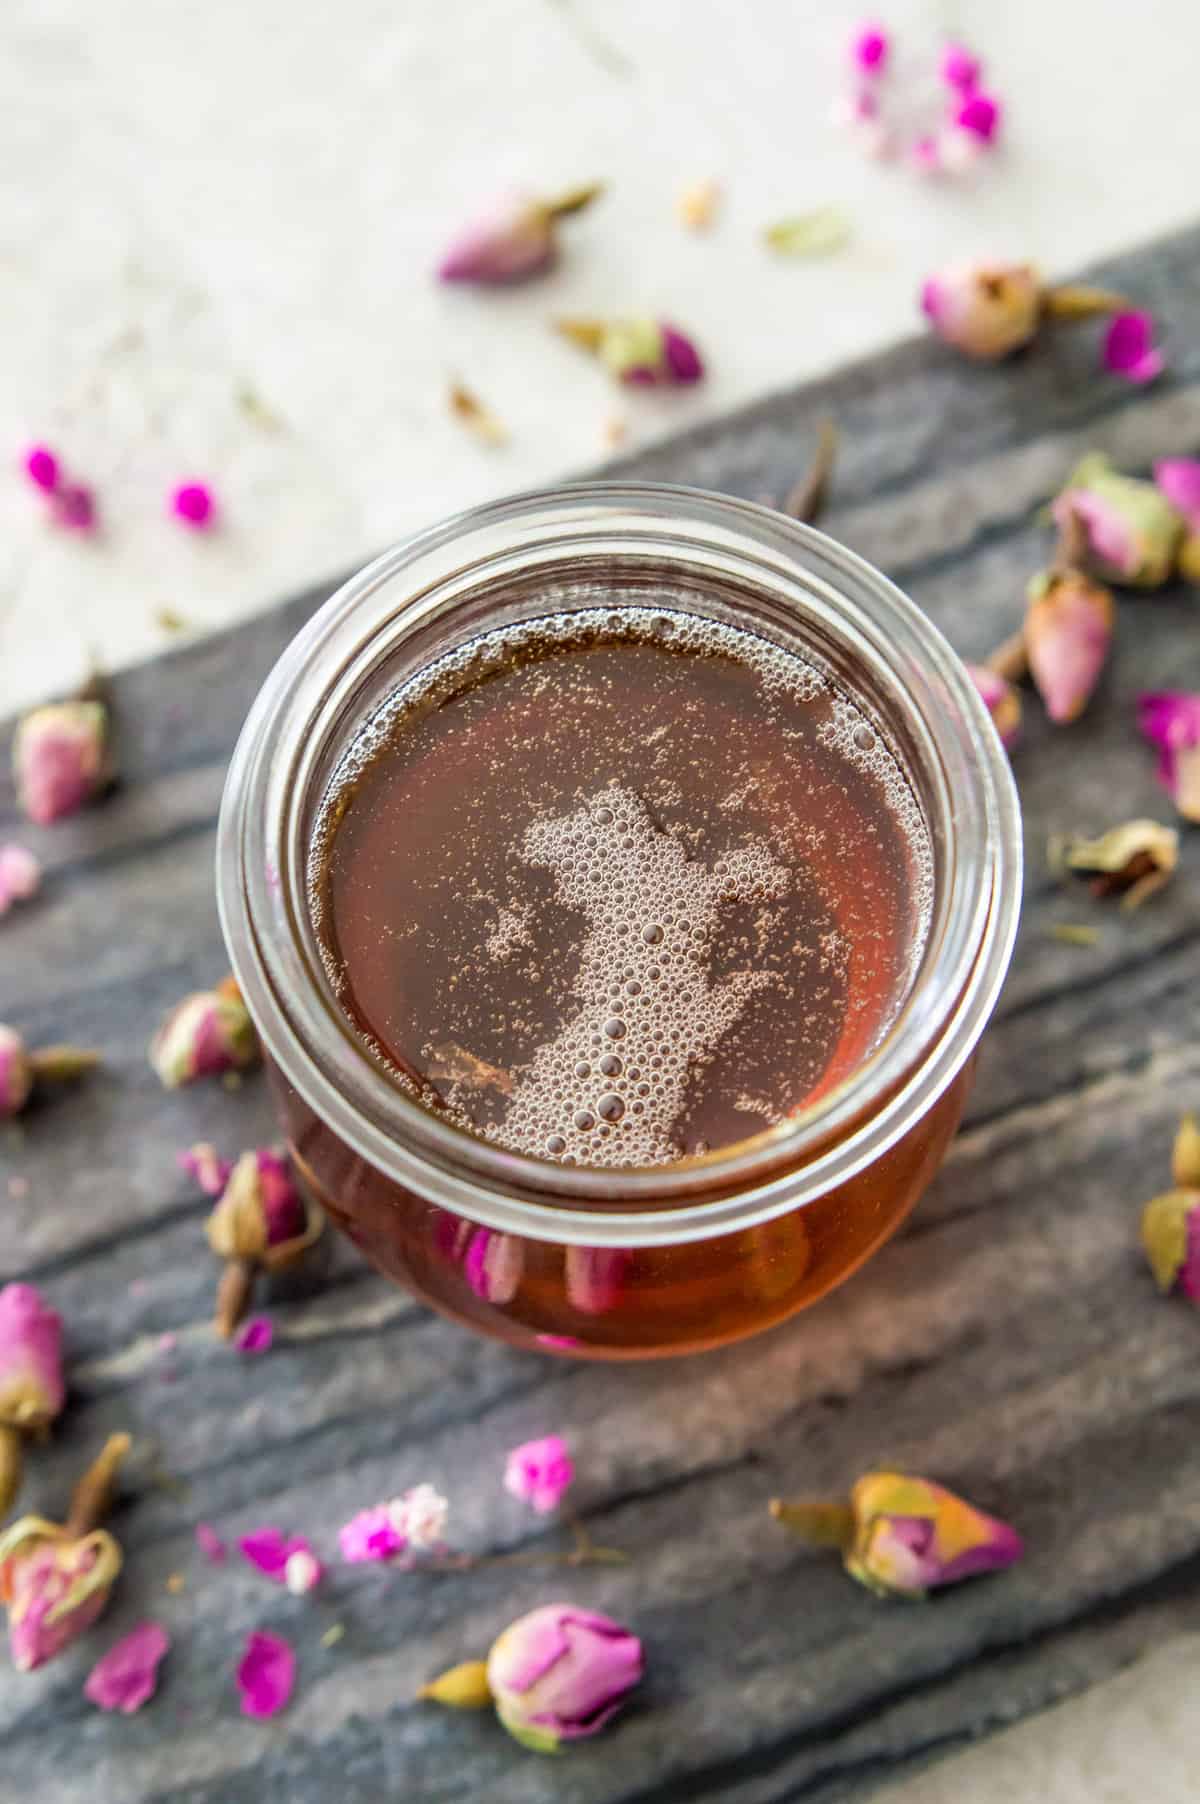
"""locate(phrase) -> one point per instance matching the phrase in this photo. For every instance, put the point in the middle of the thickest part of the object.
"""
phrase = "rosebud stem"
(823, 1524)
(11, 1461)
(1073, 301)
(588, 333)
(1070, 553)
(462, 1687)
(586, 1552)
(92, 1495)
(1010, 660)
(574, 200)
(54, 1064)
(233, 1295)
(806, 500)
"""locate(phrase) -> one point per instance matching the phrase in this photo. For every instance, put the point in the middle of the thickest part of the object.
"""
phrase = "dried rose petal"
(985, 309)
(20, 875)
(266, 1674)
(869, 49)
(540, 1473)
(979, 116)
(193, 505)
(73, 505)
(287, 1559)
(1171, 721)
(561, 1673)
(1179, 480)
(60, 758)
(1002, 701)
(255, 1336)
(959, 69)
(42, 468)
(371, 1535)
(210, 1543)
(126, 1676)
(202, 1162)
(1129, 348)
(1068, 631)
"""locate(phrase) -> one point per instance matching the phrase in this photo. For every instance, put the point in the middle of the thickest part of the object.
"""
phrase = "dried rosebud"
(1171, 1223)
(1133, 532)
(902, 1537)
(1171, 721)
(60, 758)
(55, 1579)
(261, 1220)
(20, 1068)
(561, 1673)
(1002, 701)
(540, 1473)
(512, 238)
(1179, 480)
(1068, 630)
(1129, 348)
(985, 309)
(371, 1535)
(644, 352)
(31, 1380)
(208, 1032)
(1134, 859)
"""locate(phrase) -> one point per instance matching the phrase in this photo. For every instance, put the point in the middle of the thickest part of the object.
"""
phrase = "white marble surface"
(197, 198)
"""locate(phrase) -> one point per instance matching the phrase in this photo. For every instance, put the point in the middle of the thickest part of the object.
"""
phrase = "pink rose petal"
(125, 1677)
(959, 69)
(255, 1336)
(371, 1535)
(270, 1550)
(979, 115)
(540, 1472)
(266, 1674)
(1178, 478)
(192, 503)
(210, 1543)
(1129, 350)
(869, 49)
(202, 1162)
(42, 468)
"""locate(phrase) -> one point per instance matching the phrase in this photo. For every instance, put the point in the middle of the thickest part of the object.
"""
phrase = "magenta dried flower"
(540, 1473)
(32, 1391)
(514, 237)
(371, 1535)
(42, 468)
(979, 117)
(266, 1674)
(207, 1033)
(643, 352)
(286, 1559)
(193, 505)
(1002, 701)
(959, 69)
(55, 1579)
(260, 1221)
(255, 1336)
(1170, 719)
(61, 758)
(1129, 348)
(126, 1676)
(561, 1673)
(869, 50)
(1068, 632)
(1132, 531)
(20, 1069)
(902, 1536)
(20, 875)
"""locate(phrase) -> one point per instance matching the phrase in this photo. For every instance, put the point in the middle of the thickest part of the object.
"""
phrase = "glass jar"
(626, 1263)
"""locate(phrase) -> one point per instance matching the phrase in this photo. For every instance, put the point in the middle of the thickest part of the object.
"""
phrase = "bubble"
(610, 1107)
(652, 934)
(633, 988)
(614, 1027)
(610, 1065)
(582, 1068)
(555, 1144)
(584, 1120)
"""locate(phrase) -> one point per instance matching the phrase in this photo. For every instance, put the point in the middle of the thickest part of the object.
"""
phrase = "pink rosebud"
(202, 1163)
(419, 1517)
(493, 1265)
(1170, 719)
(512, 238)
(210, 1543)
(41, 467)
(32, 1391)
(1068, 631)
(16, 1073)
(979, 117)
(126, 1676)
(266, 1674)
(644, 352)
(255, 1336)
(869, 49)
(1129, 349)
(1133, 532)
(20, 875)
(205, 1034)
(985, 309)
(60, 758)
(192, 503)
(540, 1473)
(371, 1535)
(561, 1673)
(959, 69)
(1001, 700)
(260, 1220)
(902, 1537)
(73, 506)
(54, 1585)
(1179, 480)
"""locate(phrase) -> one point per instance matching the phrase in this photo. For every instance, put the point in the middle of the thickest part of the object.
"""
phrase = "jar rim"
(262, 895)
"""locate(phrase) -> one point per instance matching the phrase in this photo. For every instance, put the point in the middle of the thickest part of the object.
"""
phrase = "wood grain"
(1009, 1342)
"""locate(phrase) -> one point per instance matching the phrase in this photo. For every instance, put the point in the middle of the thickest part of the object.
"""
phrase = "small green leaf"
(809, 234)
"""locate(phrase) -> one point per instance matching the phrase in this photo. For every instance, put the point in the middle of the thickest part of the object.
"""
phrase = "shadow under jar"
(620, 880)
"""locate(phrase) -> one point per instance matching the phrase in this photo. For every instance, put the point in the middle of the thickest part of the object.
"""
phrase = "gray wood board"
(1009, 1342)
